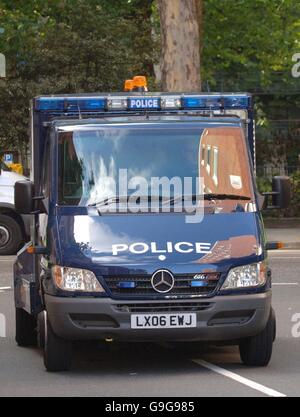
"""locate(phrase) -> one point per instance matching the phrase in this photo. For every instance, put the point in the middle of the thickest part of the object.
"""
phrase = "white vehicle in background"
(14, 229)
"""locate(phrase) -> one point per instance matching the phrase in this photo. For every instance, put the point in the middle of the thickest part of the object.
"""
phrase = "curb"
(291, 245)
(282, 223)
(283, 245)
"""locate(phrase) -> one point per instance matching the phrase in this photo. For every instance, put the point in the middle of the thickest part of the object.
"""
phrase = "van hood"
(7, 183)
(144, 242)
(9, 178)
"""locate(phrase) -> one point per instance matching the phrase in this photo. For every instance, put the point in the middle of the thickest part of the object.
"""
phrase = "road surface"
(161, 370)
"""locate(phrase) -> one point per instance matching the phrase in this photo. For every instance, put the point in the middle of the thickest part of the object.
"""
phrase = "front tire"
(41, 329)
(10, 235)
(57, 351)
(26, 325)
(257, 350)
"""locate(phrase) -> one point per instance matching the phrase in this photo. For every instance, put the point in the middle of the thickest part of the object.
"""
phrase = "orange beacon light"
(128, 85)
(140, 83)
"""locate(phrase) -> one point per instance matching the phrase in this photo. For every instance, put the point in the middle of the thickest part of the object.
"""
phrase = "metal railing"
(268, 171)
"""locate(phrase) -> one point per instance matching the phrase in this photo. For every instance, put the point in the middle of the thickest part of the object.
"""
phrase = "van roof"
(147, 120)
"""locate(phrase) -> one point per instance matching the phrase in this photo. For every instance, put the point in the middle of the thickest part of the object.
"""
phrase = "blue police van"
(117, 252)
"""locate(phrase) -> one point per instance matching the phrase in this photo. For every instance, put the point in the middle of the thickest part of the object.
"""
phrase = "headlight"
(253, 275)
(73, 279)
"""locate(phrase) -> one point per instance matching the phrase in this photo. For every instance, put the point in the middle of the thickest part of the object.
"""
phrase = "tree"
(180, 33)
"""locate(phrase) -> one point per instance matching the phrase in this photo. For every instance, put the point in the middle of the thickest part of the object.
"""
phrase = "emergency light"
(126, 284)
(128, 85)
(143, 102)
(140, 82)
(70, 104)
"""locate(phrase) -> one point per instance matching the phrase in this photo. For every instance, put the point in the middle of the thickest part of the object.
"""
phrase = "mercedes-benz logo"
(162, 281)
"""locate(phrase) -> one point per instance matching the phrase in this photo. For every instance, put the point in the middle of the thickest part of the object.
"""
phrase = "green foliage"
(249, 44)
(294, 210)
(68, 46)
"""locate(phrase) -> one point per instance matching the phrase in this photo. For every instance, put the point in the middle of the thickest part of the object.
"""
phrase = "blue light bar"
(123, 102)
(199, 284)
(216, 102)
(48, 103)
(126, 284)
(70, 104)
(86, 104)
(237, 102)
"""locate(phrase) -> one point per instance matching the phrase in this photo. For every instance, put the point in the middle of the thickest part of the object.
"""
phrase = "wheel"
(10, 235)
(41, 325)
(26, 334)
(57, 351)
(257, 350)
(275, 327)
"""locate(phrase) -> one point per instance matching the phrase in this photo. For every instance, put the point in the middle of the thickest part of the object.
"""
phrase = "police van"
(146, 225)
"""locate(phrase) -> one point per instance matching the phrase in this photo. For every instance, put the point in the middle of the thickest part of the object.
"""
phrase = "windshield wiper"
(226, 197)
(173, 200)
(125, 198)
(209, 196)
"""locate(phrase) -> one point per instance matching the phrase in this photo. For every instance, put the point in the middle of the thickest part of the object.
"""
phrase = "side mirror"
(281, 194)
(24, 197)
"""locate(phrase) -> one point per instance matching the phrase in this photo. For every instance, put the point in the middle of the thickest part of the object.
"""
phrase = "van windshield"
(108, 163)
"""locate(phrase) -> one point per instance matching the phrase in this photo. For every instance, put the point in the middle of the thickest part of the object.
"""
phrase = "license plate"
(163, 321)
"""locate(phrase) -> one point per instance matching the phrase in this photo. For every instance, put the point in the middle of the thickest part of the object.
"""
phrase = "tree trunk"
(180, 44)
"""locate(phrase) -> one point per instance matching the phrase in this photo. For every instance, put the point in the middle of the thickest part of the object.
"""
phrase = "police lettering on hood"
(140, 248)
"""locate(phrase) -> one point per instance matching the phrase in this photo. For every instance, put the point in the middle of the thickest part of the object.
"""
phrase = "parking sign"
(8, 158)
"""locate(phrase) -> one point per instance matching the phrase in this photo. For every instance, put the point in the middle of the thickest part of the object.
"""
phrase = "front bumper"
(222, 318)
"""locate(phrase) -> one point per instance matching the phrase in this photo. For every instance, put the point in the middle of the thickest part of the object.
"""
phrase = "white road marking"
(231, 375)
(286, 257)
(5, 288)
(273, 252)
(284, 254)
(285, 283)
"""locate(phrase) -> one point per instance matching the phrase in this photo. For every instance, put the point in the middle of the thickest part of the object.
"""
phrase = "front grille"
(162, 307)
(183, 285)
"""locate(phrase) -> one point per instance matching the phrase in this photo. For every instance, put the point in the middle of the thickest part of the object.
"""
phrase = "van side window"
(45, 183)
(70, 171)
